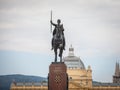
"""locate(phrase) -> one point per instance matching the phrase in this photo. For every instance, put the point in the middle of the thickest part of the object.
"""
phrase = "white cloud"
(94, 23)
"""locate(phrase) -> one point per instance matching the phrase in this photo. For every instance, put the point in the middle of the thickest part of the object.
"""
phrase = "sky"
(91, 26)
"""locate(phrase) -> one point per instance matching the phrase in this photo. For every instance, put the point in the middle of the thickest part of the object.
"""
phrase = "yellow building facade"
(72, 86)
(81, 77)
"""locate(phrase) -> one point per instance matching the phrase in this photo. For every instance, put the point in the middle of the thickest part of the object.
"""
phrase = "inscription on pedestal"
(57, 77)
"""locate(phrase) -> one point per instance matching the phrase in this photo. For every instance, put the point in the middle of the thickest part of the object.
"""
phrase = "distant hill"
(6, 80)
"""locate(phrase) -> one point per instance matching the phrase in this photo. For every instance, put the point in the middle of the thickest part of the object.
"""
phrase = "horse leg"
(63, 42)
(55, 50)
(60, 54)
(52, 43)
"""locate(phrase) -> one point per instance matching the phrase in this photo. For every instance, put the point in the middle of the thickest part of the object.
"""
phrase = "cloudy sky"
(91, 26)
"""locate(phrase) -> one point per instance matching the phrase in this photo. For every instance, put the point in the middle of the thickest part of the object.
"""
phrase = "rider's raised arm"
(53, 23)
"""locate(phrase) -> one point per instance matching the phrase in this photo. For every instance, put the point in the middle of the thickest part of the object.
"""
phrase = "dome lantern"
(71, 51)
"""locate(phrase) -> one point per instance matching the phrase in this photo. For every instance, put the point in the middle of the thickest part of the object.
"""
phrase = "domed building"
(76, 70)
(73, 61)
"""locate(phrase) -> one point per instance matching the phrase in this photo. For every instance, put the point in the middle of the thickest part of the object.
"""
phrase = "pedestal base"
(57, 77)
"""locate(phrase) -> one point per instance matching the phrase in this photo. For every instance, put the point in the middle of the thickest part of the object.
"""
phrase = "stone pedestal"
(57, 77)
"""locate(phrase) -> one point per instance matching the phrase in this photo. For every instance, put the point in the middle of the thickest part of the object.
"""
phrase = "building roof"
(30, 84)
(98, 84)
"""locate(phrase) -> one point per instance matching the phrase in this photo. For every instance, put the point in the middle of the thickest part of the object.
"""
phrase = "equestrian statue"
(58, 40)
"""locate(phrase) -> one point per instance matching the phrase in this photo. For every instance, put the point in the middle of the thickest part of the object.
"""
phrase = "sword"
(51, 20)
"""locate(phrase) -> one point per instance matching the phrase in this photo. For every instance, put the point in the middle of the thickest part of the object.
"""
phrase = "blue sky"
(91, 26)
